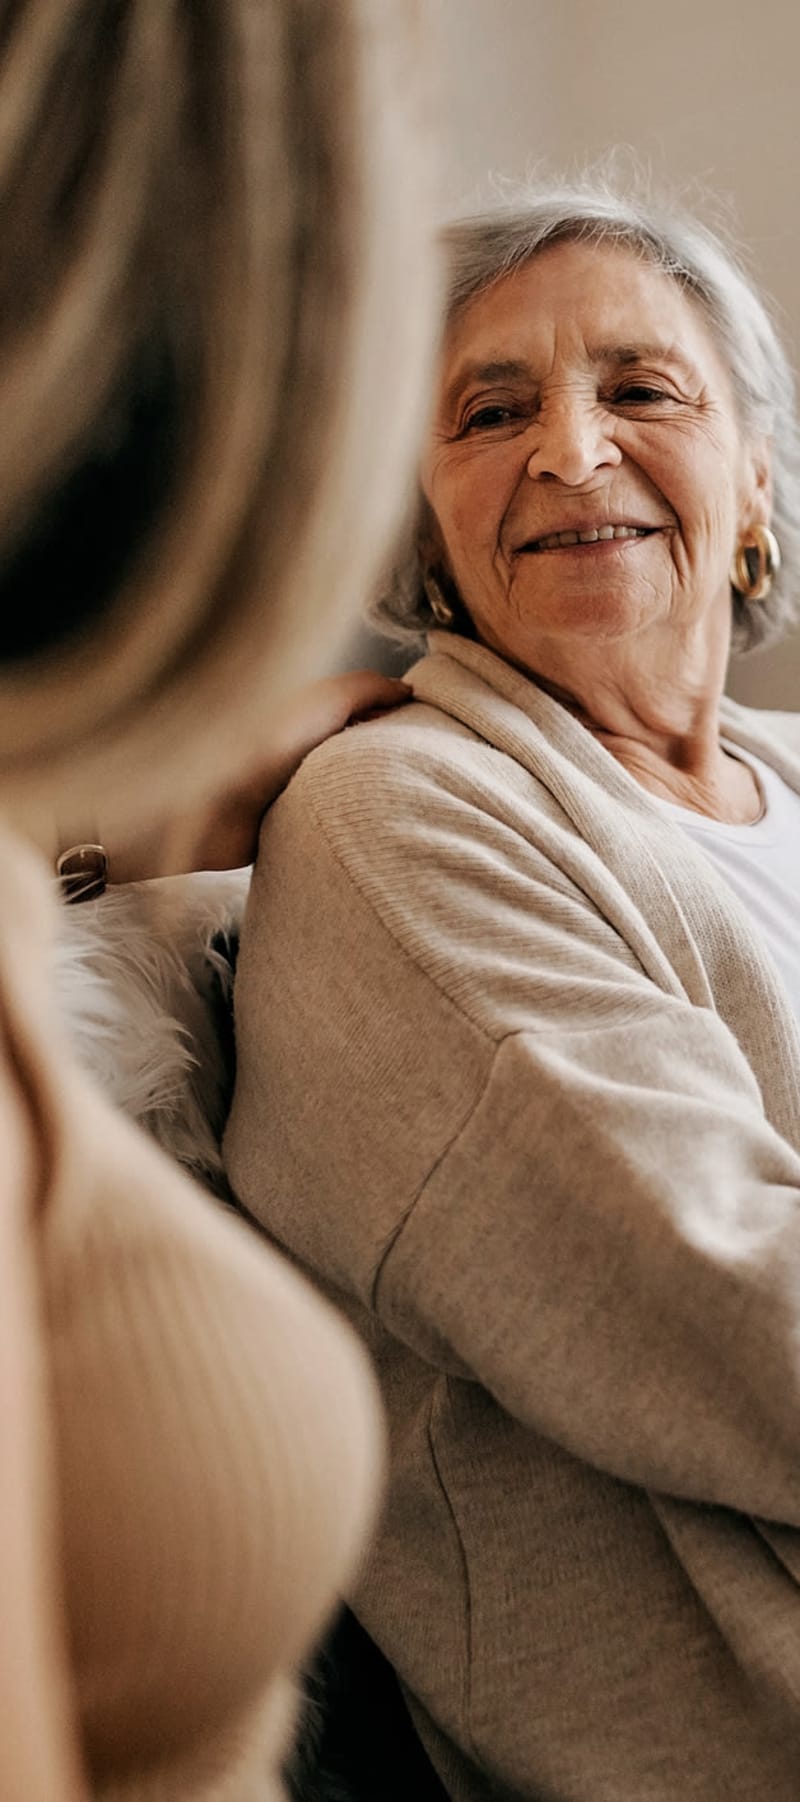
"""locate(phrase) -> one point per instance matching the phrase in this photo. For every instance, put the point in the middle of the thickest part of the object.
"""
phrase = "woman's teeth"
(557, 539)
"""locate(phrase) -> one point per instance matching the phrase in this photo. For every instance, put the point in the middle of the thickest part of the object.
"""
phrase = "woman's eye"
(639, 394)
(490, 417)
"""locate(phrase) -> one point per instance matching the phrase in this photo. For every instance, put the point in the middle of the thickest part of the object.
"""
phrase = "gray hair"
(486, 247)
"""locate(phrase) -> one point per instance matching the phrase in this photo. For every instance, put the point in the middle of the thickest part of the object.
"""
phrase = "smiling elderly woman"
(546, 1148)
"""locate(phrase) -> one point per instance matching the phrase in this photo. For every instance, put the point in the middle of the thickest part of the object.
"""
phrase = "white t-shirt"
(761, 863)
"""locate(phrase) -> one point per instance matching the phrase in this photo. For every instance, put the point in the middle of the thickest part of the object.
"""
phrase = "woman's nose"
(572, 439)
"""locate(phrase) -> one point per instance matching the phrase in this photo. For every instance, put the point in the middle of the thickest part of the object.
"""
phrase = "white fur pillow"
(143, 991)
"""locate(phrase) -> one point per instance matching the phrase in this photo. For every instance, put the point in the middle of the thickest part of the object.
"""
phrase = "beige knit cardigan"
(520, 1088)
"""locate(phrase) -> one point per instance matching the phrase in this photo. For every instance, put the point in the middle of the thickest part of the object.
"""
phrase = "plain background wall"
(703, 90)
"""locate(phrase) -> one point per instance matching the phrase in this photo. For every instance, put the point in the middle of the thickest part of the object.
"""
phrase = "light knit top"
(215, 1429)
(520, 1086)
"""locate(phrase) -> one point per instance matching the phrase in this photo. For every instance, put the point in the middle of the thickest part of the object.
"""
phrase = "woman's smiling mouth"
(557, 541)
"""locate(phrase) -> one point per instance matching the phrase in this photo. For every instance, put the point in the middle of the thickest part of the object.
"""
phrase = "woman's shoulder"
(407, 767)
(770, 733)
(767, 722)
(415, 737)
(781, 725)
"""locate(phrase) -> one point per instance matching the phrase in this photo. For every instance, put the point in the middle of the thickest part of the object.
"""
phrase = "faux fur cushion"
(143, 976)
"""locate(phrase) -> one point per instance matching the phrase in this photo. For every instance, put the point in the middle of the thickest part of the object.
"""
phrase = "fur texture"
(143, 977)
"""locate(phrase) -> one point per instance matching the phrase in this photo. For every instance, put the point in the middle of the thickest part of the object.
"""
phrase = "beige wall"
(704, 90)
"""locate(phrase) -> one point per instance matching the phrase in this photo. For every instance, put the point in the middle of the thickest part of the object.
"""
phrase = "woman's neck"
(696, 773)
(663, 726)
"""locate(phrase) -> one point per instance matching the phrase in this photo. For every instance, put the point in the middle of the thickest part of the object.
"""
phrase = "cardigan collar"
(700, 926)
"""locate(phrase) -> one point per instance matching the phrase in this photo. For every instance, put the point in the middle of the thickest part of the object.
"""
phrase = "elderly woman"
(534, 946)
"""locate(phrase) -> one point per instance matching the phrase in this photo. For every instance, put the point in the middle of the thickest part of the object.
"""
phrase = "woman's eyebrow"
(497, 369)
(623, 356)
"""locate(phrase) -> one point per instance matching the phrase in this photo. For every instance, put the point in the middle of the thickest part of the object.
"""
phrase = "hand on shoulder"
(223, 835)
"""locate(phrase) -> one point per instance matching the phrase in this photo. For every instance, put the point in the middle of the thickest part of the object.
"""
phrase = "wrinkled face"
(585, 471)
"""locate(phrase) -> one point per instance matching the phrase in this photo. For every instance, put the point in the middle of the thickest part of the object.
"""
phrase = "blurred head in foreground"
(212, 373)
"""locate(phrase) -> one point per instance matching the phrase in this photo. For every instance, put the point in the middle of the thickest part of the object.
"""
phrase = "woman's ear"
(431, 545)
(757, 502)
(437, 577)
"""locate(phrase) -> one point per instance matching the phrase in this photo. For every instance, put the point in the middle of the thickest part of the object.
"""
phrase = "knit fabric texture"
(519, 1087)
(215, 1427)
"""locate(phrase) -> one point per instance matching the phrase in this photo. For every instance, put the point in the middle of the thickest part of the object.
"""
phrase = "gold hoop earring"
(755, 584)
(440, 608)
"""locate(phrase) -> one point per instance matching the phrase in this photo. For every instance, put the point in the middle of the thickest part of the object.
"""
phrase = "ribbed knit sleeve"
(217, 1450)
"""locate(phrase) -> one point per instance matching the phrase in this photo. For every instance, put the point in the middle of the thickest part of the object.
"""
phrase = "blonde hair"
(213, 370)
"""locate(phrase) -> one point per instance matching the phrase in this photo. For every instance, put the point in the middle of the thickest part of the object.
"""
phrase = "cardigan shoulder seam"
(408, 1212)
(400, 1225)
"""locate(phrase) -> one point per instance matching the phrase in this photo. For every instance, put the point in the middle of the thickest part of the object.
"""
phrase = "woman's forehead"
(600, 296)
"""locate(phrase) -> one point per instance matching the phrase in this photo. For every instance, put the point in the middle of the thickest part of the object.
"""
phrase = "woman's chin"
(579, 615)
